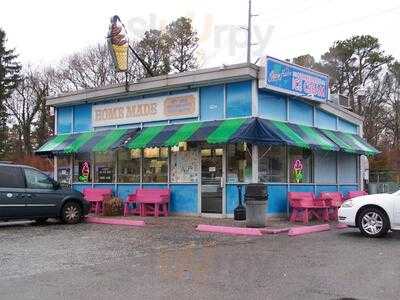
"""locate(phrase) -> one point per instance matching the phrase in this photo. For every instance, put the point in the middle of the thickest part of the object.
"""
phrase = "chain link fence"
(384, 182)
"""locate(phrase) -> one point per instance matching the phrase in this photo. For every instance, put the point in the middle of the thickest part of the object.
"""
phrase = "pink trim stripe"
(341, 226)
(308, 229)
(229, 230)
(274, 230)
(109, 221)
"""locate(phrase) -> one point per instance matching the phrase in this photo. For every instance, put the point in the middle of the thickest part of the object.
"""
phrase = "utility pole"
(249, 34)
(248, 28)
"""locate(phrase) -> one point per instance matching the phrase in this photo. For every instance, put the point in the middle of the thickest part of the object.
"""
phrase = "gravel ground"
(168, 259)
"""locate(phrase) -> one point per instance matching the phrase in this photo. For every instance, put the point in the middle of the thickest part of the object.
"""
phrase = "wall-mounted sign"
(291, 79)
(147, 110)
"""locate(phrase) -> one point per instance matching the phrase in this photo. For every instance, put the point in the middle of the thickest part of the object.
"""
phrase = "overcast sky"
(45, 31)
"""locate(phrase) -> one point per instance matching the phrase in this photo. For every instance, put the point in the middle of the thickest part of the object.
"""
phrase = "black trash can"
(256, 202)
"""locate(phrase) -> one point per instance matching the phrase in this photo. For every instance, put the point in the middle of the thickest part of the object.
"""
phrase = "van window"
(11, 177)
(37, 180)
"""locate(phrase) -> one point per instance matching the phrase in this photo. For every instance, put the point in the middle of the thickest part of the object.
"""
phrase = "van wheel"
(71, 213)
(373, 222)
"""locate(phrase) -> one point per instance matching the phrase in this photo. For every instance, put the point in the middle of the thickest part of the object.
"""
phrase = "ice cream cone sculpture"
(118, 44)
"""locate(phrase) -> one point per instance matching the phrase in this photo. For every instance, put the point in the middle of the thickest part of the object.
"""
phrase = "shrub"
(112, 207)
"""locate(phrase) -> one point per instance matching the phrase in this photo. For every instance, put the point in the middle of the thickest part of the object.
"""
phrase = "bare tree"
(24, 104)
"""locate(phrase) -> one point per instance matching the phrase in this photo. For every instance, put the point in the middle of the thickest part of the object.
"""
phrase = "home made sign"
(167, 107)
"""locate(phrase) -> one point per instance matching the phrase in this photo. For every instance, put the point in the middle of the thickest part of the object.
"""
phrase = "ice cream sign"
(118, 44)
(167, 107)
(291, 79)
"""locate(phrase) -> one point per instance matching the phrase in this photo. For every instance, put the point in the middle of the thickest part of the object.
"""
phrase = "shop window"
(104, 166)
(64, 172)
(272, 164)
(300, 165)
(347, 165)
(238, 99)
(185, 164)
(239, 163)
(129, 166)
(82, 168)
(325, 167)
(155, 165)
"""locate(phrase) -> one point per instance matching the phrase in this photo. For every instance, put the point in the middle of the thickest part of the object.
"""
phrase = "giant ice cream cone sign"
(118, 44)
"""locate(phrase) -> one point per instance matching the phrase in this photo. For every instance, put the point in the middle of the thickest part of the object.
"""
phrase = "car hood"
(372, 199)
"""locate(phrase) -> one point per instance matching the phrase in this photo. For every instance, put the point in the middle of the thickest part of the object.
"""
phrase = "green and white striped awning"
(351, 143)
(96, 141)
(250, 130)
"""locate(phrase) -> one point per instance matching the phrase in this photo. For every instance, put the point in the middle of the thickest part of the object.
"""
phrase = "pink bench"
(96, 198)
(149, 202)
(305, 206)
(334, 200)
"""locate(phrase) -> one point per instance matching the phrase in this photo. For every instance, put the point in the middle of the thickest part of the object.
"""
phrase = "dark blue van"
(27, 193)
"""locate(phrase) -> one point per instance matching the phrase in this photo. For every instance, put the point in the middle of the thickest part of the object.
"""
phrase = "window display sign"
(84, 171)
(146, 110)
(291, 79)
(105, 174)
(298, 174)
(64, 176)
(185, 166)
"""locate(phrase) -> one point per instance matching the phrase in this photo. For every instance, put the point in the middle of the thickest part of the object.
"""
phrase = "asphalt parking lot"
(167, 259)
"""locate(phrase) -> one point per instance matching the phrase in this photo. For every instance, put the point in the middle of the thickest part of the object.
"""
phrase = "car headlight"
(347, 203)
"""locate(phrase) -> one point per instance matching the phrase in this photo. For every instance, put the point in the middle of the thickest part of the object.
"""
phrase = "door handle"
(28, 195)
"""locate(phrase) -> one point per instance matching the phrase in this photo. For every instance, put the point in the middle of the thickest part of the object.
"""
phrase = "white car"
(373, 214)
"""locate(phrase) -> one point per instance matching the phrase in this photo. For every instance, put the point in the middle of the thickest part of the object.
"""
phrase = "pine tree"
(9, 77)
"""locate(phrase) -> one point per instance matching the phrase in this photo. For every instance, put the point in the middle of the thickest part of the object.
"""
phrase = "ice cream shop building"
(202, 133)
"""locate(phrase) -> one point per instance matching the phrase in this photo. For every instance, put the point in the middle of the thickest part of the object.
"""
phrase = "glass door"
(212, 184)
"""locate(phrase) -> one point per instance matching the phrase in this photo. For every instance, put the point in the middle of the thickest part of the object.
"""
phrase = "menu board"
(105, 174)
(185, 166)
(64, 176)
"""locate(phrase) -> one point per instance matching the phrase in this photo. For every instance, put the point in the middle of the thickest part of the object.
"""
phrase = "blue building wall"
(277, 106)
(238, 99)
(301, 112)
(272, 106)
(346, 126)
(82, 118)
(212, 102)
(64, 119)
(325, 120)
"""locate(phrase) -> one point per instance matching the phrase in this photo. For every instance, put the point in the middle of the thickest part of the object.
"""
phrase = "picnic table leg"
(293, 215)
(156, 210)
(126, 208)
(142, 210)
(166, 208)
(305, 216)
(335, 213)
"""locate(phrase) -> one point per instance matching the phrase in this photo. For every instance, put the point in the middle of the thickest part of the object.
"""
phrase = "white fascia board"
(160, 84)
